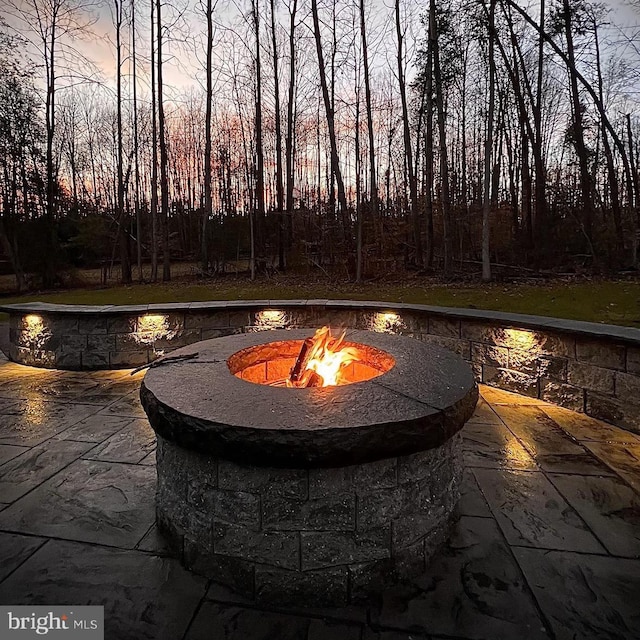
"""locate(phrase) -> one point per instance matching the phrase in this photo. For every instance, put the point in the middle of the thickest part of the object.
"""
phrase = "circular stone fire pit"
(318, 495)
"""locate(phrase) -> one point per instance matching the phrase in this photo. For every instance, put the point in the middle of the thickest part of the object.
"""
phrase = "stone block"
(121, 324)
(447, 327)
(535, 342)
(63, 325)
(627, 387)
(335, 513)
(233, 573)
(633, 360)
(201, 495)
(101, 342)
(412, 529)
(324, 587)
(274, 548)
(553, 368)
(486, 354)
(523, 360)
(379, 508)
(617, 412)
(207, 320)
(510, 380)
(36, 357)
(129, 342)
(73, 343)
(372, 476)
(128, 358)
(601, 353)
(208, 334)
(237, 507)
(556, 345)
(95, 360)
(324, 482)
(410, 562)
(70, 360)
(367, 580)
(587, 376)
(418, 467)
(290, 483)
(181, 338)
(322, 549)
(460, 346)
(239, 319)
(90, 324)
(563, 394)
(199, 526)
(480, 332)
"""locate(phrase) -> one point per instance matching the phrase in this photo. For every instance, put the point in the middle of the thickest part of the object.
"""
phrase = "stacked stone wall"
(578, 365)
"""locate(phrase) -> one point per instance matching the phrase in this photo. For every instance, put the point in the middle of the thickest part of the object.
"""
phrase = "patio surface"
(547, 545)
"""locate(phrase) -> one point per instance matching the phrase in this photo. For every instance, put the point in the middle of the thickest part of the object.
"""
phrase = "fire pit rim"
(406, 410)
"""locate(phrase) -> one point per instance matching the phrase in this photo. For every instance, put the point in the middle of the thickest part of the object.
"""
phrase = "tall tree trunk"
(447, 230)
(260, 206)
(539, 224)
(633, 188)
(358, 182)
(154, 155)
(50, 242)
(613, 178)
(121, 214)
(408, 147)
(373, 180)
(429, 153)
(291, 97)
(488, 146)
(335, 163)
(278, 124)
(164, 178)
(578, 130)
(208, 212)
(136, 147)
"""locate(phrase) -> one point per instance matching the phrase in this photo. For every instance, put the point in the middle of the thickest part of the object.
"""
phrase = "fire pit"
(291, 492)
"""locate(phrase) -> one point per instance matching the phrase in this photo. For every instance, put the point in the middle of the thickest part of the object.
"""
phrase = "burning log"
(306, 353)
(320, 360)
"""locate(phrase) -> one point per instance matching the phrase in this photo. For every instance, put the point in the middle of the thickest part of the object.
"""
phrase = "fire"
(321, 361)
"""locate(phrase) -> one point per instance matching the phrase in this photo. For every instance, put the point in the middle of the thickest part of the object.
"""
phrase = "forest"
(349, 137)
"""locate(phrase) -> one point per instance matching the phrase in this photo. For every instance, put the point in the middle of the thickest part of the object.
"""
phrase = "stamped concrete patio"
(547, 545)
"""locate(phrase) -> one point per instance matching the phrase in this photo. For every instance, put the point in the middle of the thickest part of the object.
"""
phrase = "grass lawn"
(614, 302)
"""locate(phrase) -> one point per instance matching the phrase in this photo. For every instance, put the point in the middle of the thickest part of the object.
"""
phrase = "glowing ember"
(321, 361)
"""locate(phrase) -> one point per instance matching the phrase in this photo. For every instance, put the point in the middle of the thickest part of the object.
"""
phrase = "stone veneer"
(583, 366)
(330, 536)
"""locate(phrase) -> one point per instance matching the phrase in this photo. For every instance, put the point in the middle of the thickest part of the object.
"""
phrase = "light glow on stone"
(387, 322)
(34, 331)
(518, 339)
(153, 327)
(271, 319)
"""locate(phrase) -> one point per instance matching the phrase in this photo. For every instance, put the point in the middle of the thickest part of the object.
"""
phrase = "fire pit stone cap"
(417, 405)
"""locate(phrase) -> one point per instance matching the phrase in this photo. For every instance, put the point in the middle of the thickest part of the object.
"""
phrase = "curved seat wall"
(583, 366)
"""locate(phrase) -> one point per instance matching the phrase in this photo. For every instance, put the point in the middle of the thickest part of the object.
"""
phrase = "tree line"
(352, 137)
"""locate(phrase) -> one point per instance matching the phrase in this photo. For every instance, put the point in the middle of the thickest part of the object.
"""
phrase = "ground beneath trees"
(594, 300)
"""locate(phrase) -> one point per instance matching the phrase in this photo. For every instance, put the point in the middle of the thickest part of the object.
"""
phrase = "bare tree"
(329, 113)
(408, 143)
(208, 208)
(121, 213)
(50, 25)
(164, 159)
(486, 256)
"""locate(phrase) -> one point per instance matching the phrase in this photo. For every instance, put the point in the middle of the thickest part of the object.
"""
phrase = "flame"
(327, 358)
